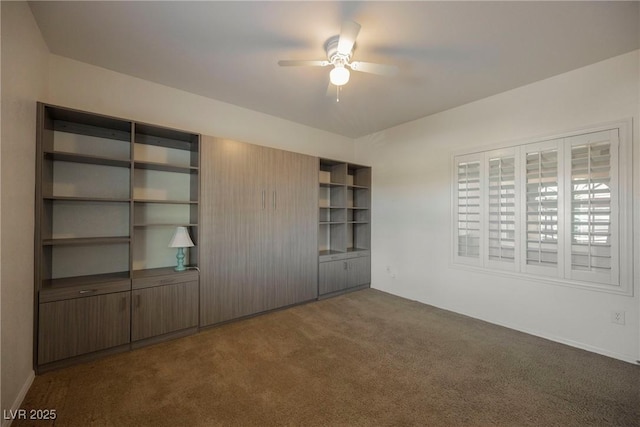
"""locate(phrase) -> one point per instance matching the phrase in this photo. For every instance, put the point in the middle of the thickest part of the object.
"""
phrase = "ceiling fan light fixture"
(339, 75)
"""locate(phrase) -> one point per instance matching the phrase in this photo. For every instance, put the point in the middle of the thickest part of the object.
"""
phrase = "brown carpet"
(365, 358)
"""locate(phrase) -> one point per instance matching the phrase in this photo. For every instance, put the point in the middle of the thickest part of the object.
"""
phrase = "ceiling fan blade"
(370, 67)
(331, 89)
(348, 35)
(295, 63)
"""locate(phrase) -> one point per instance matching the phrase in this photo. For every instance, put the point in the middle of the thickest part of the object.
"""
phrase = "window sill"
(610, 289)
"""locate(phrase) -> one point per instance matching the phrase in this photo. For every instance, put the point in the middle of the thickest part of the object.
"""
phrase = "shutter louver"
(468, 209)
(542, 208)
(502, 209)
(591, 207)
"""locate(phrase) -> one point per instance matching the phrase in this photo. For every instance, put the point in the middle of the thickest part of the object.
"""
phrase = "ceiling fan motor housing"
(335, 57)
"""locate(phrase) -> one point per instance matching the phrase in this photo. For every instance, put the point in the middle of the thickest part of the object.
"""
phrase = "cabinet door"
(164, 309)
(77, 326)
(332, 276)
(292, 223)
(359, 271)
(233, 201)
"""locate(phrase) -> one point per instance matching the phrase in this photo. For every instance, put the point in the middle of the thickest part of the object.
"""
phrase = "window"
(468, 209)
(557, 209)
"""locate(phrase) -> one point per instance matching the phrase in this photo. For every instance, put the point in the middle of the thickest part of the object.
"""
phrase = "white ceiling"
(449, 53)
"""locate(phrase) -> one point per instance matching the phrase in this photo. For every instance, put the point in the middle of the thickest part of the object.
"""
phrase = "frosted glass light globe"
(339, 75)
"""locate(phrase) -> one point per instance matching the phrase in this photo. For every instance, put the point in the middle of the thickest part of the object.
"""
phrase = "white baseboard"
(570, 343)
(624, 357)
(18, 402)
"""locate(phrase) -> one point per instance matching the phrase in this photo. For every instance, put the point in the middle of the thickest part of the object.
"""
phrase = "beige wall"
(411, 215)
(86, 87)
(24, 64)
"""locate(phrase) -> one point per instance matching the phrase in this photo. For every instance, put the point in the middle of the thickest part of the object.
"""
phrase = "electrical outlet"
(617, 317)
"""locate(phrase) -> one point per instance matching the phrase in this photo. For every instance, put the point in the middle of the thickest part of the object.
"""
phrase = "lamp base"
(180, 260)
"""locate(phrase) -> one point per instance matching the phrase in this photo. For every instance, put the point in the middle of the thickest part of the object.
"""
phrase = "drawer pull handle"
(166, 281)
(86, 291)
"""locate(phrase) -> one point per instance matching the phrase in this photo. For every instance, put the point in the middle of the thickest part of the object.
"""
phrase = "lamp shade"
(181, 239)
(339, 75)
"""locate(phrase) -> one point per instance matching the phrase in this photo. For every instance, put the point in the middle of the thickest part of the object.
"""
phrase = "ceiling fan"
(339, 52)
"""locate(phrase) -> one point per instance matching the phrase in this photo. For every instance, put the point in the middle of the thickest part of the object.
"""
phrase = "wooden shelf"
(142, 225)
(79, 241)
(344, 215)
(329, 252)
(86, 199)
(164, 167)
(350, 250)
(170, 202)
(165, 137)
(84, 158)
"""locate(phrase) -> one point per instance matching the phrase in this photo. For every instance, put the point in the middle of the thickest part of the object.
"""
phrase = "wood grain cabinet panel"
(292, 220)
(164, 309)
(358, 271)
(347, 271)
(73, 327)
(332, 277)
(232, 201)
(259, 229)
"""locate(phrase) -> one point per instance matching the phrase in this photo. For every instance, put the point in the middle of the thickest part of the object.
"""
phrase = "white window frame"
(501, 153)
(613, 277)
(549, 145)
(621, 279)
(459, 259)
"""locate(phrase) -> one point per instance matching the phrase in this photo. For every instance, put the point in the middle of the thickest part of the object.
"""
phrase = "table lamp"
(180, 240)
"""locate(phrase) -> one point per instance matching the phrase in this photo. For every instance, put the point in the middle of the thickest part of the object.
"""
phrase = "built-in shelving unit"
(344, 226)
(109, 194)
(165, 194)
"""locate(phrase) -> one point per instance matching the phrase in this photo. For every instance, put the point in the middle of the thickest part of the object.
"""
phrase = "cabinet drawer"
(168, 279)
(82, 291)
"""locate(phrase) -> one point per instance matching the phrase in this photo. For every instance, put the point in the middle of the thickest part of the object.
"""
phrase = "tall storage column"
(109, 194)
(345, 229)
(259, 230)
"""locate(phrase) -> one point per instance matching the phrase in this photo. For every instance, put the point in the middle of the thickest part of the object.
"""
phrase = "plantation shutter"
(541, 192)
(502, 170)
(592, 208)
(468, 211)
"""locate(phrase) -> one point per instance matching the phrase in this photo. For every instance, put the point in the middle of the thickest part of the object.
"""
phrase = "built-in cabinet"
(75, 325)
(260, 231)
(109, 194)
(163, 304)
(344, 240)
(271, 229)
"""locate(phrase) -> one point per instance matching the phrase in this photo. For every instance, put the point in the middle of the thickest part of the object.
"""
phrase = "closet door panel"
(295, 228)
(259, 229)
(232, 204)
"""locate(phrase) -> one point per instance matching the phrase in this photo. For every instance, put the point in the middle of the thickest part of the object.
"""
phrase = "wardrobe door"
(294, 228)
(233, 203)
